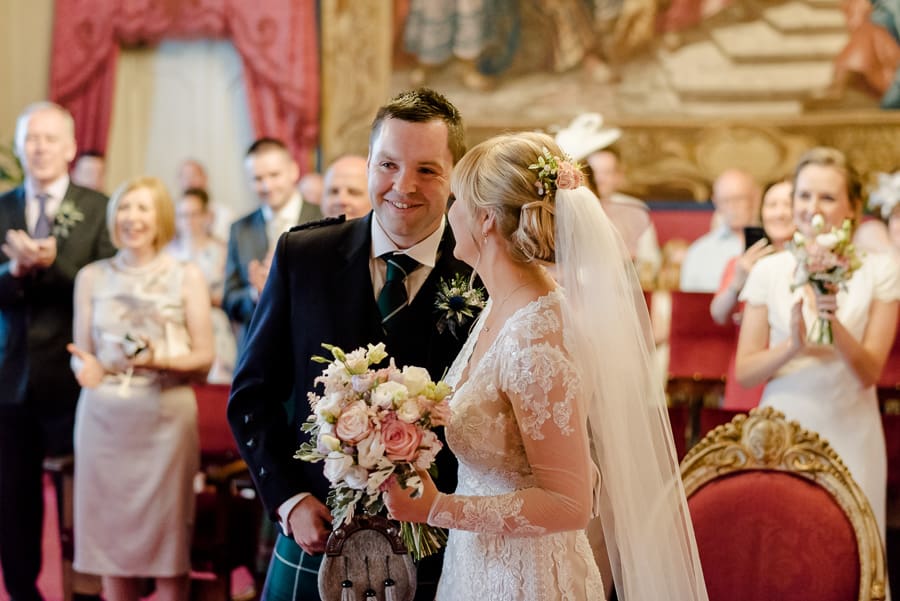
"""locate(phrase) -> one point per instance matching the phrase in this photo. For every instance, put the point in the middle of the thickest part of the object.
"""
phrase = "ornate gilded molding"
(765, 440)
(356, 72)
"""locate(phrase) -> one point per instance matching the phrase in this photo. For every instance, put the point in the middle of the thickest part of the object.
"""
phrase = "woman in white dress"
(142, 329)
(549, 387)
(829, 389)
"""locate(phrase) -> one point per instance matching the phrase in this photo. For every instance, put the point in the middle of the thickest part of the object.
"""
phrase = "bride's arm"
(542, 386)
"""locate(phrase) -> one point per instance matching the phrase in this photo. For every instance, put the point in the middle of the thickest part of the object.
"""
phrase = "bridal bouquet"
(370, 425)
(826, 262)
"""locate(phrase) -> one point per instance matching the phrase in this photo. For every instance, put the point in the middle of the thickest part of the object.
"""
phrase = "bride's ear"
(488, 223)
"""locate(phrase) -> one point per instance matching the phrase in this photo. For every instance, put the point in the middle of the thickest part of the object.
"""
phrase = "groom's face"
(409, 178)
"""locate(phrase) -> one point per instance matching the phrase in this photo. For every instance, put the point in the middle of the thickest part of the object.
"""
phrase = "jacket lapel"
(362, 319)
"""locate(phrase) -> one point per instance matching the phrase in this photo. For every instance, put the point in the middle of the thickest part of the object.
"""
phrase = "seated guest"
(884, 201)
(193, 242)
(346, 185)
(778, 224)
(273, 174)
(736, 197)
(142, 330)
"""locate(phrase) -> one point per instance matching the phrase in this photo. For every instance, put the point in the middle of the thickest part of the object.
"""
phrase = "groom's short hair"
(420, 106)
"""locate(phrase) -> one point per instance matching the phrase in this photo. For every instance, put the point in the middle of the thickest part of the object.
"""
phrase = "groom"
(327, 285)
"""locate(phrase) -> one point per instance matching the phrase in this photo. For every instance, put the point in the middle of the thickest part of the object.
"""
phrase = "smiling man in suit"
(273, 174)
(51, 228)
(324, 286)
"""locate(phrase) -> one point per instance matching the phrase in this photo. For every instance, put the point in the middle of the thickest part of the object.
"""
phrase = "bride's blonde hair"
(495, 176)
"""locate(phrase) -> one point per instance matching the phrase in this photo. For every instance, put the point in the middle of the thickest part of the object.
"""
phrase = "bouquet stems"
(422, 540)
(821, 331)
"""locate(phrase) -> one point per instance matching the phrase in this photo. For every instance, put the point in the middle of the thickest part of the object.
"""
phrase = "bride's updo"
(506, 177)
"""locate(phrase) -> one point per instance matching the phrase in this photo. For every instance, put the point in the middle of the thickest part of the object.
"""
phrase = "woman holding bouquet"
(142, 328)
(552, 384)
(827, 388)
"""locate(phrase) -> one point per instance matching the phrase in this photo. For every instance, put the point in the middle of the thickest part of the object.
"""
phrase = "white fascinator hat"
(585, 135)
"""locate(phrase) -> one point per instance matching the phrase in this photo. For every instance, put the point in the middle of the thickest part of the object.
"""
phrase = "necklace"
(486, 327)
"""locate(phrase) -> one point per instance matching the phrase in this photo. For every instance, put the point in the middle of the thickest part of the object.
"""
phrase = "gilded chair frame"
(765, 440)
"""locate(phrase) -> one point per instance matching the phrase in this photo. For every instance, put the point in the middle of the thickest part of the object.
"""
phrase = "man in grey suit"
(273, 173)
(51, 228)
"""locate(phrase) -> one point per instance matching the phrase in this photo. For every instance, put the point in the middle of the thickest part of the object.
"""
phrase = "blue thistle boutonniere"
(458, 303)
(67, 217)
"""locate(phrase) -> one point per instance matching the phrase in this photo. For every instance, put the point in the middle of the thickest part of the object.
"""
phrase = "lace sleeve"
(538, 378)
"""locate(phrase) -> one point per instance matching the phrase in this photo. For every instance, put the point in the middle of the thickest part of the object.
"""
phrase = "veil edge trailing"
(642, 505)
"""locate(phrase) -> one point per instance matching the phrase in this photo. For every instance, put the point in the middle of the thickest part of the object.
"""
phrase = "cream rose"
(401, 440)
(409, 411)
(357, 477)
(415, 379)
(353, 424)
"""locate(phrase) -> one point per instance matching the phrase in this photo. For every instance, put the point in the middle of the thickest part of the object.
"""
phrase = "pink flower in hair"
(568, 176)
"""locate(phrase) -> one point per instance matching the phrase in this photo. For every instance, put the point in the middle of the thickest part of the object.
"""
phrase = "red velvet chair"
(777, 515)
(228, 514)
(699, 350)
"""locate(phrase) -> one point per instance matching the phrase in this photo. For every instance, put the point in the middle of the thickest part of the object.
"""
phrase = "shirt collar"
(56, 190)
(425, 251)
(290, 211)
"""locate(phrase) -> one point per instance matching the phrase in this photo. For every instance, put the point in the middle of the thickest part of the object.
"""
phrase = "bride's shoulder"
(540, 318)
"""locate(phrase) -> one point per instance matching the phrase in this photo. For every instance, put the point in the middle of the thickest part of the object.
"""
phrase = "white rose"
(409, 411)
(388, 393)
(336, 466)
(370, 450)
(415, 379)
(827, 241)
(357, 477)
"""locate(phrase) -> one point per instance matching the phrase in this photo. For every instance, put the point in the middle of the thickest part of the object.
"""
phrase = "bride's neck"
(502, 276)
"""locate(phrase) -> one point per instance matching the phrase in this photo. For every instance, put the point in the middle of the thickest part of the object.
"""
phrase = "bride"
(552, 389)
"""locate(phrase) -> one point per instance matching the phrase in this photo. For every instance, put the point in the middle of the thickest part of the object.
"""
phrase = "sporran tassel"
(370, 592)
(390, 587)
(347, 584)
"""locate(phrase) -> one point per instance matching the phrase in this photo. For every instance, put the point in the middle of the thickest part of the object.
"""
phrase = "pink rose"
(401, 440)
(353, 423)
(567, 176)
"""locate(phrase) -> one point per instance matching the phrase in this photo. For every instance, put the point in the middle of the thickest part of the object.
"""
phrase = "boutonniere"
(67, 217)
(458, 303)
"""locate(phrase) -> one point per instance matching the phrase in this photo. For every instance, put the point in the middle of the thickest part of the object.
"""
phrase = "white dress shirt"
(280, 221)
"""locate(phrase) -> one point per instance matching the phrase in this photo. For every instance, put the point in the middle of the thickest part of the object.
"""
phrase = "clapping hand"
(257, 272)
(26, 253)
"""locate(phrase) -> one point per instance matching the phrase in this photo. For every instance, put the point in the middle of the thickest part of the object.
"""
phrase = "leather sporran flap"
(366, 560)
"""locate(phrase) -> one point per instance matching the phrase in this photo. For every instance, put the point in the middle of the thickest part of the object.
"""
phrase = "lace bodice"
(518, 431)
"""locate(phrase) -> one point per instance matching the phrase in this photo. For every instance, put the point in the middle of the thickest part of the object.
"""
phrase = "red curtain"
(277, 41)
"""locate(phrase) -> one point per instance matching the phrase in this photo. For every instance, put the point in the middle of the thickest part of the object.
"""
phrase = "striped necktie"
(393, 296)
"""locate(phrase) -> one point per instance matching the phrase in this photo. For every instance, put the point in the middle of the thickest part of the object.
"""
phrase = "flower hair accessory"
(555, 173)
(886, 196)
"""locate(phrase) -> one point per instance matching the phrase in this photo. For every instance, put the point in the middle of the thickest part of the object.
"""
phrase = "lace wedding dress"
(525, 473)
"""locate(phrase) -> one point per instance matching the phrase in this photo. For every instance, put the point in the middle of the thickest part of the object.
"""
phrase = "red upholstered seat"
(777, 515)
(699, 348)
(890, 375)
(768, 536)
(228, 514)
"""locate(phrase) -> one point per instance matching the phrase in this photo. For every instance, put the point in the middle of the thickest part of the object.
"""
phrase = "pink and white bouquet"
(370, 425)
(826, 262)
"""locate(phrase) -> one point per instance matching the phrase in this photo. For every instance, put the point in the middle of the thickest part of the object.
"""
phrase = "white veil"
(643, 510)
